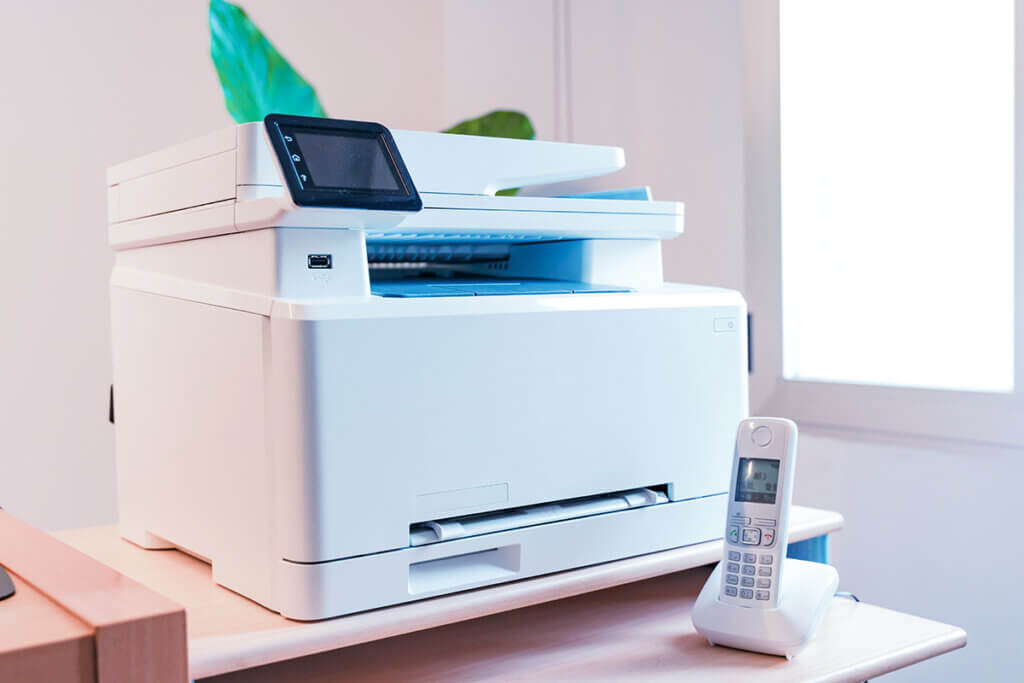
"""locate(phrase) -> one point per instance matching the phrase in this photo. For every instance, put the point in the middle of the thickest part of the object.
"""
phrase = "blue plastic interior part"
(431, 287)
(642, 194)
(812, 549)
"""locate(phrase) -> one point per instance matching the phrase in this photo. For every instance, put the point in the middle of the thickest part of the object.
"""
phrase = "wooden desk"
(550, 627)
(638, 631)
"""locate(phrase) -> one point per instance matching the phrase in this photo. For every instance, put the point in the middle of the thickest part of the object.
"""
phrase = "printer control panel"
(341, 164)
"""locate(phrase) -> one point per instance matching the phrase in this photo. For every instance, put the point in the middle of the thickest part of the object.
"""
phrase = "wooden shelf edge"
(954, 639)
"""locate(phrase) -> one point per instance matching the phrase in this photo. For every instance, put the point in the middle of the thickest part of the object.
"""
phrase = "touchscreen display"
(348, 161)
(338, 164)
(757, 480)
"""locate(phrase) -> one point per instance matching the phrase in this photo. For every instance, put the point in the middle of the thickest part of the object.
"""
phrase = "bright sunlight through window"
(897, 192)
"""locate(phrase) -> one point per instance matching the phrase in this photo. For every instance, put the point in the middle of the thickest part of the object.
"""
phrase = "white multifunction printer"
(348, 375)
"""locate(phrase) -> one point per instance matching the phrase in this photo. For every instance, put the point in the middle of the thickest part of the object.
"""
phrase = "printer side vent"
(425, 533)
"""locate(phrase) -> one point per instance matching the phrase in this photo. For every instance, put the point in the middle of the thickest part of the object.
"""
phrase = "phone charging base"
(806, 592)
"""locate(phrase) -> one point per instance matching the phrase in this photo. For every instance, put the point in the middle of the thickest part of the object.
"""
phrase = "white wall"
(86, 85)
(928, 531)
(662, 79)
(501, 56)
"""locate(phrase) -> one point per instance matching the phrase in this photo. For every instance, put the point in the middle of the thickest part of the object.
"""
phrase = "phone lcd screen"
(757, 480)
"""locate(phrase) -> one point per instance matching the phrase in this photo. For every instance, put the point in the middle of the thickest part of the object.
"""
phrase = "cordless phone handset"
(756, 527)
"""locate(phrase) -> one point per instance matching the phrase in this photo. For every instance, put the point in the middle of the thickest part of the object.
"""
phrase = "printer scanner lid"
(245, 178)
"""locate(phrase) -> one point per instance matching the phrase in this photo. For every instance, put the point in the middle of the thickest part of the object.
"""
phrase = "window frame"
(931, 413)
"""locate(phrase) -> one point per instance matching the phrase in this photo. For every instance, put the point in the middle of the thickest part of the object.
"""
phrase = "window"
(880, 213)
(897, 192)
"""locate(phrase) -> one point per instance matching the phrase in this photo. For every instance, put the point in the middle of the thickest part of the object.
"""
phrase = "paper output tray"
(473, 525)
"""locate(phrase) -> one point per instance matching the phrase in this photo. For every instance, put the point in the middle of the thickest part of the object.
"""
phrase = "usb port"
(318, 261)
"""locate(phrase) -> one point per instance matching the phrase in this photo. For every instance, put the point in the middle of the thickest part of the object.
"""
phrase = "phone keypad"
(749, 574)
(740, 577)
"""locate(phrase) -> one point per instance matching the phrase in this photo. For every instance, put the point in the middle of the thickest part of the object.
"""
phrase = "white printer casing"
(329, 449)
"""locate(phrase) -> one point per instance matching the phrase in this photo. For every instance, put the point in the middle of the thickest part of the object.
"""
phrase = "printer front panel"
(419, 418)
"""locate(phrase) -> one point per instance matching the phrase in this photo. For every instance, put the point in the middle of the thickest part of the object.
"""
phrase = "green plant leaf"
(497, 124)
(255, 78)
(501, 123)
